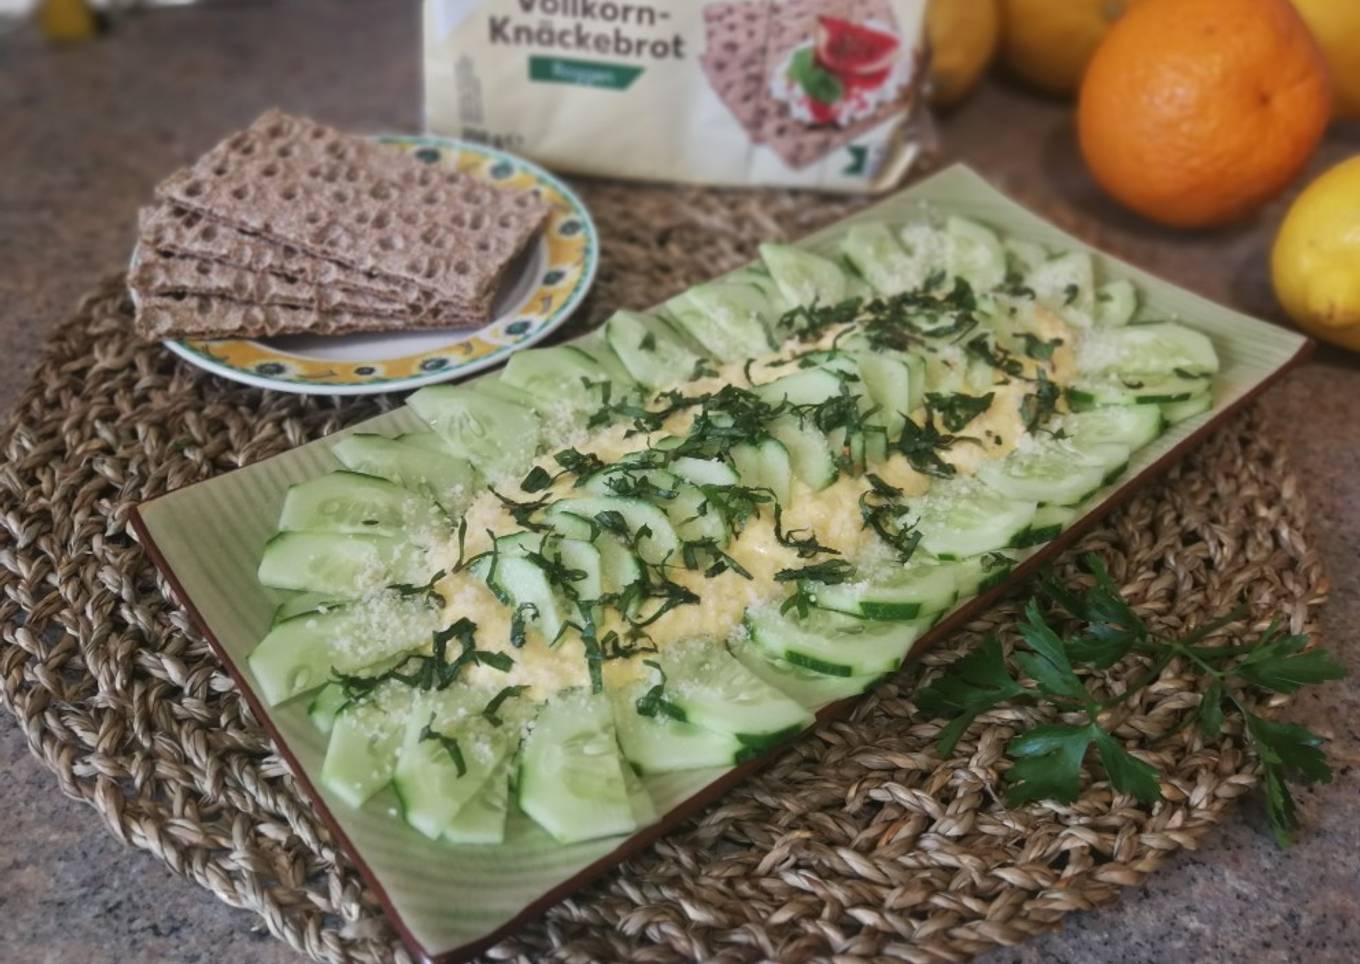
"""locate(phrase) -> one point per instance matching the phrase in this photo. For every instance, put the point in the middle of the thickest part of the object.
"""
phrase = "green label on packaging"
(583, 73)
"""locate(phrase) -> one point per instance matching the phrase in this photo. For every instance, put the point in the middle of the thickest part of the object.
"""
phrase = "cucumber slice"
(963, 517)
(298, 603)
(1049, 522)
(573, 526)
(651, 351)
(810, 454)
(1164, 348)
(1116, 304)
(361, 756)
(1132, 426)
(807, 687)
(326, 706)
(729, 319)
(764, 465)
(1051, 470)
(977, 574)
(432, 785)
(1095, 391)
(832, 644)
(881, 260)
(571, 776)
(579, 556)
(714, 691)
(888, 381)
(811, 386)
(619, 565)
(426, 441)
(1022, 257)
(300, 654)
(597, 347)
(703, 471)
(482, 819)
(974, 253)
(656, 546)
(660, 744)
(499, 437)
(1175, 412)
(561, 378)
(804, 278)
(524, 584)
(344, 565)
(919, 588)
(925, 245)
(449, 480)
(1066, 284)
(350, 502)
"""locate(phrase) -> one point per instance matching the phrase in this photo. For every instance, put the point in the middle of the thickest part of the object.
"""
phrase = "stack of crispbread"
(291, 227)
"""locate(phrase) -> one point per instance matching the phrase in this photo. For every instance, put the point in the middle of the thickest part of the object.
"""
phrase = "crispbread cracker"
(795, 23)
(203, 316)
(734, 57)
(370, 207)
(166, 227)
(157, 272)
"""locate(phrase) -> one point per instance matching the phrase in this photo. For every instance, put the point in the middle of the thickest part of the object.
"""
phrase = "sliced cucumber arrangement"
(666, 545)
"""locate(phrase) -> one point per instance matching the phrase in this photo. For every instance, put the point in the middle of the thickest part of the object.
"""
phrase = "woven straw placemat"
(857, 841)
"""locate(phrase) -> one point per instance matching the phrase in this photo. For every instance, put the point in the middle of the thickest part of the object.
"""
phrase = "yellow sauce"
(833, 514)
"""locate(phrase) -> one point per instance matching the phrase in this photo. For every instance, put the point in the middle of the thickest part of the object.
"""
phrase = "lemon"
(1047, 43)
(1315, 263)
(1336, 26)
(963, 35)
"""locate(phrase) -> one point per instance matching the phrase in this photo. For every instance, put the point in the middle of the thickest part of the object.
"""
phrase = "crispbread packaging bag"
(809, 93)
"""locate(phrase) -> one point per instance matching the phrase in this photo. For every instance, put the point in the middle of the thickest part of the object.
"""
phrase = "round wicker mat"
(858, 841)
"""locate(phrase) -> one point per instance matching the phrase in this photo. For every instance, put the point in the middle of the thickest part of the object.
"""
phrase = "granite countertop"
(84, 134)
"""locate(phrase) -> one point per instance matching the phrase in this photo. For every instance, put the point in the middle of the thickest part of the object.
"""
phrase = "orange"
(1196, 112)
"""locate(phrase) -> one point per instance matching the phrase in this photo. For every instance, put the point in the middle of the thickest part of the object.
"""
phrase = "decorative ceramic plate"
(207, 540)
(541, 290)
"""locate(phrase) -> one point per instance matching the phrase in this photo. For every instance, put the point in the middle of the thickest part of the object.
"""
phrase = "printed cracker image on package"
(811, 93)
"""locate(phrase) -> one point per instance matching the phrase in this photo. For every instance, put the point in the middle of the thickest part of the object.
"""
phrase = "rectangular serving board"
(206, 538)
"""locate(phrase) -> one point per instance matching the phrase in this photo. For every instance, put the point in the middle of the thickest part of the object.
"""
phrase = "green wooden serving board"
(449, 902)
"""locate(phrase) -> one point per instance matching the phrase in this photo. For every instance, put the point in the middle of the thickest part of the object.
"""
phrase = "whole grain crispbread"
(177, 230)
(734, 58)
(204, 316)
(363, 205)
(158, 272)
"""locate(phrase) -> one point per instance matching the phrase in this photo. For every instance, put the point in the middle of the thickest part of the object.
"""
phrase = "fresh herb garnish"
(648, 342)
(523, 512)
(406, 590)
(491, 708)
(1047, 759)
(1038, 348)
(654, 700)
(880, 511)
(449, 744)
(1038, 405)
(921, 445)
(537, 480)
(519, 621)
(828, 572)
(958, 408)
(702, 369)
(806, 546)
(983, 347)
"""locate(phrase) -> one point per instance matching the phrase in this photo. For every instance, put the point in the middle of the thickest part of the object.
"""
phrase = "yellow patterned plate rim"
(545, 288)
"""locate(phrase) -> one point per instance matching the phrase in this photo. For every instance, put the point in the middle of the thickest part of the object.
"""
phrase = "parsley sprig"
(1047, 759)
